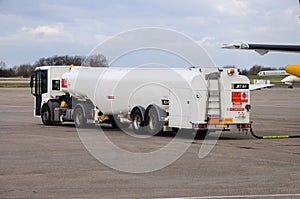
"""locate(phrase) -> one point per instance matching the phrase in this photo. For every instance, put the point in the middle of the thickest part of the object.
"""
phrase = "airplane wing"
(263, 49)
(259, 86)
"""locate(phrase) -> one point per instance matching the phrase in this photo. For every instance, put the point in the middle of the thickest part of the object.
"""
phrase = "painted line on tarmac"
(238, 196)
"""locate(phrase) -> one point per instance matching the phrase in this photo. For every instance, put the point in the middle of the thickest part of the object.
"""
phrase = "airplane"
(262, 49)
(290, 80)
(264, 73)
(294, 70)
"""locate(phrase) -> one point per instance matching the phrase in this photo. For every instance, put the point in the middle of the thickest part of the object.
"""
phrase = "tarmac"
(38, 161)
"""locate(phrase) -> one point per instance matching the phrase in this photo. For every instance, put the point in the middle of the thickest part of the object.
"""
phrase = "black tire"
(46, 115)
(154, 126)
(137, 121)
(79, 118)
(113, 122)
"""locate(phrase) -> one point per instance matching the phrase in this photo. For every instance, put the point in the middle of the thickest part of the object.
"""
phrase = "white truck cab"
(46, 84)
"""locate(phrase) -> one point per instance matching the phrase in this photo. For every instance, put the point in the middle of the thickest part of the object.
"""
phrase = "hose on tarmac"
(273, 136)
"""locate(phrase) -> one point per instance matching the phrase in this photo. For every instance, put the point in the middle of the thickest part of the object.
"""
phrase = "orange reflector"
(103, 116)
(213, 120)
(227, 120)
(218, 121)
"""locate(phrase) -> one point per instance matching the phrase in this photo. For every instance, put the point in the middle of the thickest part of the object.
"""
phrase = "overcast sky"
(34, 29)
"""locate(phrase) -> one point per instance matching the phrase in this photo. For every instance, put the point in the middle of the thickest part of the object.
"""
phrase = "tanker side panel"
(199, 99)
(188, 105)
(82, 81)
(180, 108)
(111, 91)
(118, 90)
(121, 89)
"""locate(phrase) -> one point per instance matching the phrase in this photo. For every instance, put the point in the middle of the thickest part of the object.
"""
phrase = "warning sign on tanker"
(240, 97)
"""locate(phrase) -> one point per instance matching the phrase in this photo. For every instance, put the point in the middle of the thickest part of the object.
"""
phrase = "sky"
(34, 29)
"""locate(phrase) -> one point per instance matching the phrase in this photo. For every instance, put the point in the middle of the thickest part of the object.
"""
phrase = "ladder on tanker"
(213, 104)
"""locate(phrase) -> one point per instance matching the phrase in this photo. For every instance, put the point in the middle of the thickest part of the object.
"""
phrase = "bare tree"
(60, 60)
(6, 72)
(2, 65)
(25, 70)
(96, 60)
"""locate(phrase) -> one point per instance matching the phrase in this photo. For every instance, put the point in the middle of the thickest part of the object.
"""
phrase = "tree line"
(254, 69)
(26, 70)
(257, 68)
(96, 60)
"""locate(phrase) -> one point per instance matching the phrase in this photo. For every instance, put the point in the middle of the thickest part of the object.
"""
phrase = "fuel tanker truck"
(147, 99)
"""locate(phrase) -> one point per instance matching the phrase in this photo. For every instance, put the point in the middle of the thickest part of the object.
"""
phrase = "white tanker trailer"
(152, 99)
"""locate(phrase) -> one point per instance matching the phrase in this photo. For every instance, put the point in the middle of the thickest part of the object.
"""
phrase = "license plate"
(221, 126)
(240, 86)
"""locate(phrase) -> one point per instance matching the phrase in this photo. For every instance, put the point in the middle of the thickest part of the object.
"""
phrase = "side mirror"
(31, 81)
(31, 84)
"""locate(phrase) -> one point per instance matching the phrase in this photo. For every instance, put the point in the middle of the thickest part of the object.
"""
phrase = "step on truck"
(149, 99)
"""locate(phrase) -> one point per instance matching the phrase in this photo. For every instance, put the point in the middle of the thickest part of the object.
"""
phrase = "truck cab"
(45, 84)
(54, 104)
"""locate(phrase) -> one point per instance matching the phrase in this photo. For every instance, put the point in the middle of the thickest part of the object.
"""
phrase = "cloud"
(55, 30)
(43, 34)
(77, 27)
(208, 41)
(288, 11)
(102, 37)
(235, 8)
(263, 28)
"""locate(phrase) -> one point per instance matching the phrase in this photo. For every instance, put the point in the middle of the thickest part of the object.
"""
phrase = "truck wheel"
(137, 121)
(46, 115)
(79, 119)
(154, 126)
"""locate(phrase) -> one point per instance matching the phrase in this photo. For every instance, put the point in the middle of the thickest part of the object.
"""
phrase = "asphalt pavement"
(38, 161)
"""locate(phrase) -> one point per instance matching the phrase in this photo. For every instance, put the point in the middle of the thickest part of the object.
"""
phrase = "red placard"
(239, 97)
(64, 83)
(236, 109)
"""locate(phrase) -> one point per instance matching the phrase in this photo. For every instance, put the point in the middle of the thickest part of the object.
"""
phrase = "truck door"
(40, 80)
